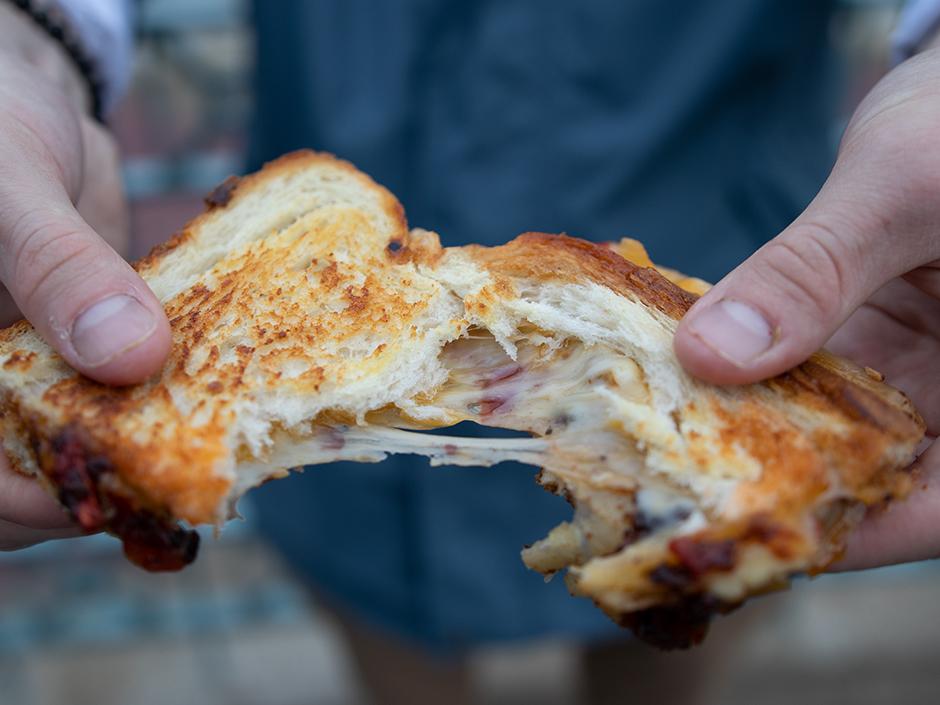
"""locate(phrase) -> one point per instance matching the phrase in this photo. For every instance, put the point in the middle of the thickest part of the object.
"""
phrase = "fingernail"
(734, 330)
(111, 326)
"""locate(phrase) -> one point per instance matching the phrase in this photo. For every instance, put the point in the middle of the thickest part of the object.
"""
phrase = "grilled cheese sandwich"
(311, 325)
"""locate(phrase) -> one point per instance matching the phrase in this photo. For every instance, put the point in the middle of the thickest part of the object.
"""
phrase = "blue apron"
(700, 127)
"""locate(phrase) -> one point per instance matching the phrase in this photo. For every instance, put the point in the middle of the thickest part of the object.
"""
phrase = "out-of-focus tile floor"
(79, 626)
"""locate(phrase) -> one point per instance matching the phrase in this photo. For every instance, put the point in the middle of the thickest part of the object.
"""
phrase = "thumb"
(784, 302)
(80, 295)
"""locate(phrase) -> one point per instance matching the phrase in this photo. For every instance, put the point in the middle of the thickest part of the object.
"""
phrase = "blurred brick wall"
(182, 124)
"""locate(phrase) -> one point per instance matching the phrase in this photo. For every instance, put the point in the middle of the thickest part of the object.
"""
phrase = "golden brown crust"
(857, 391)
(234, 188)
(142, 467)
(20, 360)
(633, 251)
(222, 194)
(544, 257)
(15, 330)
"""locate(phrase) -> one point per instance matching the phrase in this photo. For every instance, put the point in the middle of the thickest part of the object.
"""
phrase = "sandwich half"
(310, 325)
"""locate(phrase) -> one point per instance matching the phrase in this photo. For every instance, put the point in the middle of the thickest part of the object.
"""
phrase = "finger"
(784, 302)
(904, 532)
(81, 296)
(14, 537)
(894, 332)
(24, 502)
(777, 308)
(9, 312)
(101, 202)
(927, 279)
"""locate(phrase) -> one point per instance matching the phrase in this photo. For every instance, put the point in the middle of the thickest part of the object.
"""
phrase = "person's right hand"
(859, 272)
(59, 194)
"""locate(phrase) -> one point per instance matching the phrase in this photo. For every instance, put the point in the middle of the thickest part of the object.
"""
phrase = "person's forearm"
(21, 37)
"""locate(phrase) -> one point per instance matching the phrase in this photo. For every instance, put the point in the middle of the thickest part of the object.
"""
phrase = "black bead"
(58, 30)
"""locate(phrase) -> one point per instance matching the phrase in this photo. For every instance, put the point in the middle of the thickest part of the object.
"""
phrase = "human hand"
(858, 272)
(60, 206)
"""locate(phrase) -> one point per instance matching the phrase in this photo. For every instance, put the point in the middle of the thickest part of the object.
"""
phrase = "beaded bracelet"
(53, 24)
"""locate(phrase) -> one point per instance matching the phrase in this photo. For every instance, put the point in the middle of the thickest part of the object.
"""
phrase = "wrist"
(23, 40)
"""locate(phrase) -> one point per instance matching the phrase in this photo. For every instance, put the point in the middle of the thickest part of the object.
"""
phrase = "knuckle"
(810, 268)
(41, 253)
(52, 144)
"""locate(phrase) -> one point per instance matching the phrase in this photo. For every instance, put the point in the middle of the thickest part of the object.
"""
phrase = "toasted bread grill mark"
(544, 257)
(330, 277)
(793, 472)
(20, 360)
(865, 400)
(170, 466)
(357, 298)
(867, 480)
(222, 194)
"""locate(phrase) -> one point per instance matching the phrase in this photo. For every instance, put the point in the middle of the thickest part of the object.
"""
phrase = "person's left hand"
(859, 272)
(62, 226)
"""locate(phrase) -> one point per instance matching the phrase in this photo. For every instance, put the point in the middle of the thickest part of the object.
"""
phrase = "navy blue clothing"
(700, 127)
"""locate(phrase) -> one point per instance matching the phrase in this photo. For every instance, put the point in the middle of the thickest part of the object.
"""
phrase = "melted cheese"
(640, 471)
(586, 407)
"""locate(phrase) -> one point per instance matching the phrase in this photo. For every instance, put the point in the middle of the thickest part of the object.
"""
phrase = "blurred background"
(78, 624)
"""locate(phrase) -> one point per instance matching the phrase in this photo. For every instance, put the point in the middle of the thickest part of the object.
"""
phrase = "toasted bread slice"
(310, 325)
